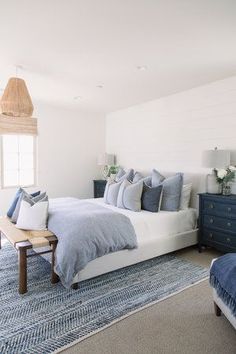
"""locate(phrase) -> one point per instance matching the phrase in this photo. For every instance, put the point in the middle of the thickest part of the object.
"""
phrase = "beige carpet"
(184, 324)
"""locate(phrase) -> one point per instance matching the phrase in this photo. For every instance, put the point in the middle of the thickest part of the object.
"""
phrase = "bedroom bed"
(157, 234)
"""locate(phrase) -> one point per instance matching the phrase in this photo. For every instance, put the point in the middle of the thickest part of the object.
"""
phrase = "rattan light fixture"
(16, 100)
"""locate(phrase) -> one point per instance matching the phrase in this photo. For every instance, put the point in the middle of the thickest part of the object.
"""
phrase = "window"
(18, 160)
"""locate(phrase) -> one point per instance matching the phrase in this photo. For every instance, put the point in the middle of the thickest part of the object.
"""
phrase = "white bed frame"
(124, 258)
(220, 306)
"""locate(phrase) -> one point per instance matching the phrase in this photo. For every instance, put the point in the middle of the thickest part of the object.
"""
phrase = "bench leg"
(217, 310)
(22, 270)
(54, 277)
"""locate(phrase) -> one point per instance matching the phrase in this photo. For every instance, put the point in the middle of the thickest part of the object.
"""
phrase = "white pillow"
(185, 196)
(33, 217)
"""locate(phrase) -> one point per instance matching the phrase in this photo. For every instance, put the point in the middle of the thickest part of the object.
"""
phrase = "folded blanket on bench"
(223, 279)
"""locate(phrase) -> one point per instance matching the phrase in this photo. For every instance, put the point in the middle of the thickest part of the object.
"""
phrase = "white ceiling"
(69, 47)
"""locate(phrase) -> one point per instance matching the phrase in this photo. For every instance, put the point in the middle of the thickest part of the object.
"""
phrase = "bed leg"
(75, 286)
(217, 310)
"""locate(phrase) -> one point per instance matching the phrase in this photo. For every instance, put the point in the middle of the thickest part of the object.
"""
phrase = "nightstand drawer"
(216, 208)
(218, 237)
(213, 221)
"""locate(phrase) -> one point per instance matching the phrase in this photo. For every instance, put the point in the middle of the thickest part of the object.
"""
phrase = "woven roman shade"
(18, 125)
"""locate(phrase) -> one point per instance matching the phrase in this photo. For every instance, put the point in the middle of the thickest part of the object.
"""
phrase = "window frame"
(35, 163)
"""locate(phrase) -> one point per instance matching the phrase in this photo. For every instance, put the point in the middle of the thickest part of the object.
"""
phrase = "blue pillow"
(151, 198)
(157, 178)
(172, 188)
(15, 200)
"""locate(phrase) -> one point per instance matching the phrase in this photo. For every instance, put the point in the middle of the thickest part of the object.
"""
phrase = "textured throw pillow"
(120, 173)
(157, 178)
(33, 217)
(111, 192)
(137, 177)
(151, 198)
(27, 197)
(185, 196)
(129, 196)
(127, 175)
(15, 200)
(172, 187)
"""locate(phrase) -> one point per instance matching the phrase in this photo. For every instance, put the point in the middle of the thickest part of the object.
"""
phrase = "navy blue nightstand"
(217, 222)
(99, 186)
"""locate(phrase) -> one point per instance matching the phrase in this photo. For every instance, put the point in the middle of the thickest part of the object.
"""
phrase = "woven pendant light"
(16, 101)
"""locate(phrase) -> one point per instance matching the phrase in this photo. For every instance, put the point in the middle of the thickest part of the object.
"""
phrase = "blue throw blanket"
(86, 231)
(223, 279)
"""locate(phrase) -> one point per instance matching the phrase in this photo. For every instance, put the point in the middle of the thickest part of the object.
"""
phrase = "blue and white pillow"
(15, 200)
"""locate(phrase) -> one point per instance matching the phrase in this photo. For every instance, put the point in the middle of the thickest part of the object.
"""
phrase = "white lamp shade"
(216, 158)
(105, 159)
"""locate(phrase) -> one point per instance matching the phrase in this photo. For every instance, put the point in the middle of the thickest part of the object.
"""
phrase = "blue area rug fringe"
(222, 293)
(50, 317)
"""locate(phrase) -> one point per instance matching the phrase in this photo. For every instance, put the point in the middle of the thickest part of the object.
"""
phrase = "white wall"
(170, 133)
(68, 144)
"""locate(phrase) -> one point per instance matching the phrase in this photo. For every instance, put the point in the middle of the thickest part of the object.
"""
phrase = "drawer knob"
(229, 224)
(210, 234)
(228, 239)
(211, 206)
(229, 209)
(211, 221)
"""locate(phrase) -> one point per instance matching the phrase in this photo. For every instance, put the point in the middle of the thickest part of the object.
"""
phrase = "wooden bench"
(23, 241)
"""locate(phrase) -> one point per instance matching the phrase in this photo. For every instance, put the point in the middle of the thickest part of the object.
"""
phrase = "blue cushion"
(172, 188)
(111, 192)
(129, 175)
(151, 197)
(157, 178)
(15, 200)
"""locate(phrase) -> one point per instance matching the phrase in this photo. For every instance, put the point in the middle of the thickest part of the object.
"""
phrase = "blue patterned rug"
(50, 317)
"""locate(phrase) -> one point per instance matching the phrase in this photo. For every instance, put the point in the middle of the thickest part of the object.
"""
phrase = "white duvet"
(149, 226)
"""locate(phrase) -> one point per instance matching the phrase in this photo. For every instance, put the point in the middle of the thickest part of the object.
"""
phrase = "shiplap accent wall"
(170, 133)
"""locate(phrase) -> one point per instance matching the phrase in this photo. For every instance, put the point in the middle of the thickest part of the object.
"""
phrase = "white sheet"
(149, 226)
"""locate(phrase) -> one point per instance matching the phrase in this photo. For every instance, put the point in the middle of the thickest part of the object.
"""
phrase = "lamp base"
(212, 186)
(105, 171)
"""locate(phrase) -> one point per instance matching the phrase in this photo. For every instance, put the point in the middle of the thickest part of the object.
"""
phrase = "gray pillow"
(111, 192)
(151, 198)
(28, 198)
(128, 175)
(172, 188)
(129, 196)
(157, 178)
(137, 177)
(148, 181)
(120, 173)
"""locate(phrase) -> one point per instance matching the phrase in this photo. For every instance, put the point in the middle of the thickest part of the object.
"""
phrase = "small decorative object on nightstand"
(217, 222)
(99, 186)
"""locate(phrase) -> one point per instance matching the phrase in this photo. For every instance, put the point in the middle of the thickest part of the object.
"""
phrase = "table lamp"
(105, 160)
(214, 159)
